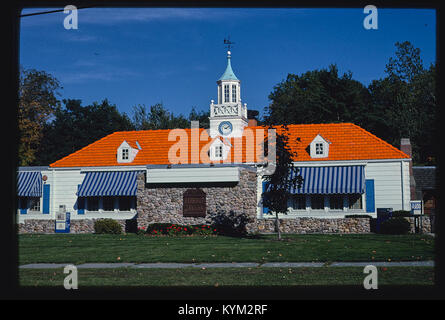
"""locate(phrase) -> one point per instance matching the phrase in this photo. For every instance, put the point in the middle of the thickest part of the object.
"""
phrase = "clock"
(225, 128)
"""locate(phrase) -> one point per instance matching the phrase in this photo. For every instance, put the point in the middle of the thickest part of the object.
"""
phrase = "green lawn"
(229, 276)
(77, 249)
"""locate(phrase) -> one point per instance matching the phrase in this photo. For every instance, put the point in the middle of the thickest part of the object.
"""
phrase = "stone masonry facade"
(165, 204)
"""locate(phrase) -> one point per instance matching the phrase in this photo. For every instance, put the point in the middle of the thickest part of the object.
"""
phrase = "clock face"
(225, 128)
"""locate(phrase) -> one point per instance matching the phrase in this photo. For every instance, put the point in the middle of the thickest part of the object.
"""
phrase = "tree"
(318, 96)
(37, 103)
(160, 118)
(75, 126)
(157, 118)
(406, 98)
(201, 116)
(407, 64)
(278, 185)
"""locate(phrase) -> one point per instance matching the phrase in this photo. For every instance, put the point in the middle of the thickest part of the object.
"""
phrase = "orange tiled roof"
(348, 142)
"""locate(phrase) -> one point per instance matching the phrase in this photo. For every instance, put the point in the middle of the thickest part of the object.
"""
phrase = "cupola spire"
(228, 74)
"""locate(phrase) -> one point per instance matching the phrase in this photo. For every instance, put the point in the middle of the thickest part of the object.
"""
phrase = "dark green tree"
(318, 96)
(406, 98)
(201, 116)
(157, 117)
(75, 126)
(280, 182)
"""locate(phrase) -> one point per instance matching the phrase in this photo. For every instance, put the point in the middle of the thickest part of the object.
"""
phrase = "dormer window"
(218, 152)
(319, 147)
(126, 153)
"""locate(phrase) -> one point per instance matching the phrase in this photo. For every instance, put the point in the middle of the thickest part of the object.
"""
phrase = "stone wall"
(163, 204)
(47, 226)
(36, 226)
(426, 224)
(314, 225)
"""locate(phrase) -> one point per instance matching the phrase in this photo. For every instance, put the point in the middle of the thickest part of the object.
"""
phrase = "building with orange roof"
(188, 176)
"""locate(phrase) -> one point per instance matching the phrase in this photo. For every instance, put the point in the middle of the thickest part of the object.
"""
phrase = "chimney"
(405, 146)
(251, 116)
(252, 123)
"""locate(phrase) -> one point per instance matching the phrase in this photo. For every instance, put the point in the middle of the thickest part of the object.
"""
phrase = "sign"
(194, 203)
(62, 224)
(416, 207)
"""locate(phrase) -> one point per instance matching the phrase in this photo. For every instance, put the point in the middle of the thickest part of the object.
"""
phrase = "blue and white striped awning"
(29, 184)
(331, 180)
(109, 183)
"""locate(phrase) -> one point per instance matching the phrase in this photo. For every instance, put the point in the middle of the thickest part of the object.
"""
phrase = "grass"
(216, 277)
(84, 248)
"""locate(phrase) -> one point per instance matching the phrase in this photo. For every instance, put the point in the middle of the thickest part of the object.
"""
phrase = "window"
(108, 203)
(218, 151)
(317, 202)
(226, 93)
(355, 201)
(336, 202)
(233, 92)
(34, 204)
(319, 148)
(23, 203)
(93, 204)
(298, 202)
(125, 203)
(125, 154)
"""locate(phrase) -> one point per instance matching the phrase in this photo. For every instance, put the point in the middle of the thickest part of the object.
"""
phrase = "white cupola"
(228, 116)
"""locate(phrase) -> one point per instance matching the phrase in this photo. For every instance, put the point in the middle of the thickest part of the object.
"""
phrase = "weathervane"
(228, 43)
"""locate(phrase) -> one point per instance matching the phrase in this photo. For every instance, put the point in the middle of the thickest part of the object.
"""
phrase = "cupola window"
(233, 92)
(226, 93)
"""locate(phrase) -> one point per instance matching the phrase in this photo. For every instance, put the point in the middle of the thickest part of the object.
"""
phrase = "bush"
(107, 226)
(396, 225)
(179, 230)
(401, 213)
(230, 224)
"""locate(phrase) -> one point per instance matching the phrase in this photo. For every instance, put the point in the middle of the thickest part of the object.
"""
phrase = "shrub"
(230, 224)
(401, 213)
(107, 226)
(396, 225)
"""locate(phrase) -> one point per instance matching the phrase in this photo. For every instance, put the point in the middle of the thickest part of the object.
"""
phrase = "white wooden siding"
(391, 185)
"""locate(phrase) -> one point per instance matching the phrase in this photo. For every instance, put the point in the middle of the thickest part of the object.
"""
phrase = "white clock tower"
(228, 117)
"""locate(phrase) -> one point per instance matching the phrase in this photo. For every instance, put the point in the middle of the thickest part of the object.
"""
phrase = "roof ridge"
(155, 130)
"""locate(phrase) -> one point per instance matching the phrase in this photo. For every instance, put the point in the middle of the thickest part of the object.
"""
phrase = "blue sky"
(175, 55)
